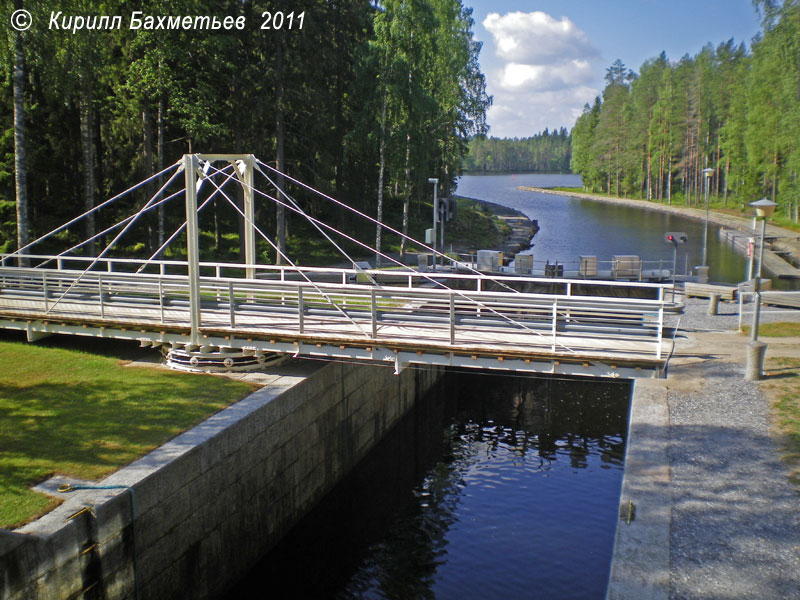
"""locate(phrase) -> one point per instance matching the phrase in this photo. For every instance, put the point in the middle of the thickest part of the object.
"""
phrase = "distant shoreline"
(788, 240)
(482, 173)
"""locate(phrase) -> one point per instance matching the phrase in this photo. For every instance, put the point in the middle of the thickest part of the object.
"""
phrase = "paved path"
(716, 514)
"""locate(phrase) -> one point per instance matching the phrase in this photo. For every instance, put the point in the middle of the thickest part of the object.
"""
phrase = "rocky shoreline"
(522, 229)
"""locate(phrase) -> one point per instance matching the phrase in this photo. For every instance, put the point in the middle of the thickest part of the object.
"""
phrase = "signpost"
(675, 238)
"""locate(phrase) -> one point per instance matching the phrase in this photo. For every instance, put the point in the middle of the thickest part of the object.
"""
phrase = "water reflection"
(493, 486)
(571, 227)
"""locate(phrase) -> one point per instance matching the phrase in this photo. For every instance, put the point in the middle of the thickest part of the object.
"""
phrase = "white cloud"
(546, 76)
(537, 38)
(523, 114)
(543, 77)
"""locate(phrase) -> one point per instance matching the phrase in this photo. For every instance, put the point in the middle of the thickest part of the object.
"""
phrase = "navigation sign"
(676, 237)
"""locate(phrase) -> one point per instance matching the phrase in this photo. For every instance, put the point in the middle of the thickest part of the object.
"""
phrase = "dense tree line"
(366, 98)
(545, 151)
(727, 114)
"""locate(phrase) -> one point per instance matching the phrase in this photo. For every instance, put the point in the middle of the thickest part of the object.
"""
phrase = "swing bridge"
(243, 313)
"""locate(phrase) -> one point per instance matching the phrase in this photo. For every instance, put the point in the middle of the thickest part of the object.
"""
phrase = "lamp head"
(764, 208)
(708, 172)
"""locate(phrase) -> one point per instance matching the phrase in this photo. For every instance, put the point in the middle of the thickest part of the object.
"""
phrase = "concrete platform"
(714, 513)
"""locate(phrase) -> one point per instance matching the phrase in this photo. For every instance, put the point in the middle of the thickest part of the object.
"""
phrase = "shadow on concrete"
(735, 522)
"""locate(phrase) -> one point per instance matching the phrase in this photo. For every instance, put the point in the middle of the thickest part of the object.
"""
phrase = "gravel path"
(735, 519)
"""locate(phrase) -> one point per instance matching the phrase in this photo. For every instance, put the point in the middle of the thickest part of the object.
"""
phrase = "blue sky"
(545, 59)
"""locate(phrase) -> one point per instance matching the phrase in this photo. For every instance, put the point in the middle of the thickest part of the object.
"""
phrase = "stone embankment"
(784, 242)
(193, 516)
(707, 507)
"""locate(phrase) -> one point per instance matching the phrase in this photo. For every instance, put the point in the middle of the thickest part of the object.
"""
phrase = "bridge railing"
(409, 277)
(558, 323)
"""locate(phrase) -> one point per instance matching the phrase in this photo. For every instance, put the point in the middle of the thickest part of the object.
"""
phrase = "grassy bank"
(66, 408)
(732, 206)
(475, 227)
(782, 388)
(775, 329)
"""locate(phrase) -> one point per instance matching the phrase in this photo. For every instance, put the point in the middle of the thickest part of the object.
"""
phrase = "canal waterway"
(573, 227)
(493, 486)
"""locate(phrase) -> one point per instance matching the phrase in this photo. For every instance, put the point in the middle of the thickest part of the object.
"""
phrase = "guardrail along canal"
(493, 486)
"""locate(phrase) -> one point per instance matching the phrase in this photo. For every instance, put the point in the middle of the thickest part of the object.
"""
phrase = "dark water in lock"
(494, 486)
(571, 227)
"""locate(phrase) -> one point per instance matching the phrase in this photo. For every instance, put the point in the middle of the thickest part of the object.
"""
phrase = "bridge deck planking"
(429, 321)
(333, 330)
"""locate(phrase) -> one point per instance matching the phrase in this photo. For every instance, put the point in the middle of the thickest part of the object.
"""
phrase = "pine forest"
(726, 118)
(363, 100)
(543, 152)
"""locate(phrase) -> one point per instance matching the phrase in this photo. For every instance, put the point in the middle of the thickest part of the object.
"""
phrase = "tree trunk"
(99, 168)
(150, 188)
(406, 196)
(20, 141)
(280, 136)
(725, 187)
(87, 148)
(774, 174)
(669, 180)
(217, 237)
(161, 224)
(716, 170)
(381, 168)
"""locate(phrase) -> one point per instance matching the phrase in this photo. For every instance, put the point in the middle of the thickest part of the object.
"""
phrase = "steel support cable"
(428, 277)
(672, 348)
(275, 247)
(376, 222)
(116, 225)
(139, 213)
(431, 279)
(181, 228)
(318, 228)
(90, 211)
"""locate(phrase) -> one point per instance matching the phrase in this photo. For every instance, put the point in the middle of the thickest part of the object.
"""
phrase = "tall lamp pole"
(707, 173)
(755, 349)
(435, 183)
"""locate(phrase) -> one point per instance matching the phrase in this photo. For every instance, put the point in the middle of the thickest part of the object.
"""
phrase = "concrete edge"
(640, 567)
(136, 472)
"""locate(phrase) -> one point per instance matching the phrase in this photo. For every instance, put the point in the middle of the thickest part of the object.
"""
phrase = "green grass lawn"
(776, 329)
(783, 390)
(66, 408)
(475, 227)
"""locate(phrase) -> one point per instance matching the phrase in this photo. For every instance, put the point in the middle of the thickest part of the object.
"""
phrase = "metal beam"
(190, 162)
(374, 354)
(245, 172)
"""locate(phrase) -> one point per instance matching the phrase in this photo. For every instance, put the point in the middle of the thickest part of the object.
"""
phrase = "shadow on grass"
(65, 408)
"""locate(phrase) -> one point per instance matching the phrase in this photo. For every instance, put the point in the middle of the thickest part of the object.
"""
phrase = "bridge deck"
(404, 324)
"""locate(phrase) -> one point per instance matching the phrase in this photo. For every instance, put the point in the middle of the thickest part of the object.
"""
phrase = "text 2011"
(279, 20)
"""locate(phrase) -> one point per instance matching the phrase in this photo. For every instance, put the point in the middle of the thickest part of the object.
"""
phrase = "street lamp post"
(755, 349)
(707, 173)
(435, 182)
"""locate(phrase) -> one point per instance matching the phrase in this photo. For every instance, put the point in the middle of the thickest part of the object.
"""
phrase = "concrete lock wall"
(210, 502)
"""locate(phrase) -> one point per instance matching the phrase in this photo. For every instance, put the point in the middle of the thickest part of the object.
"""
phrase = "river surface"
(494, 486)
(573, 227)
